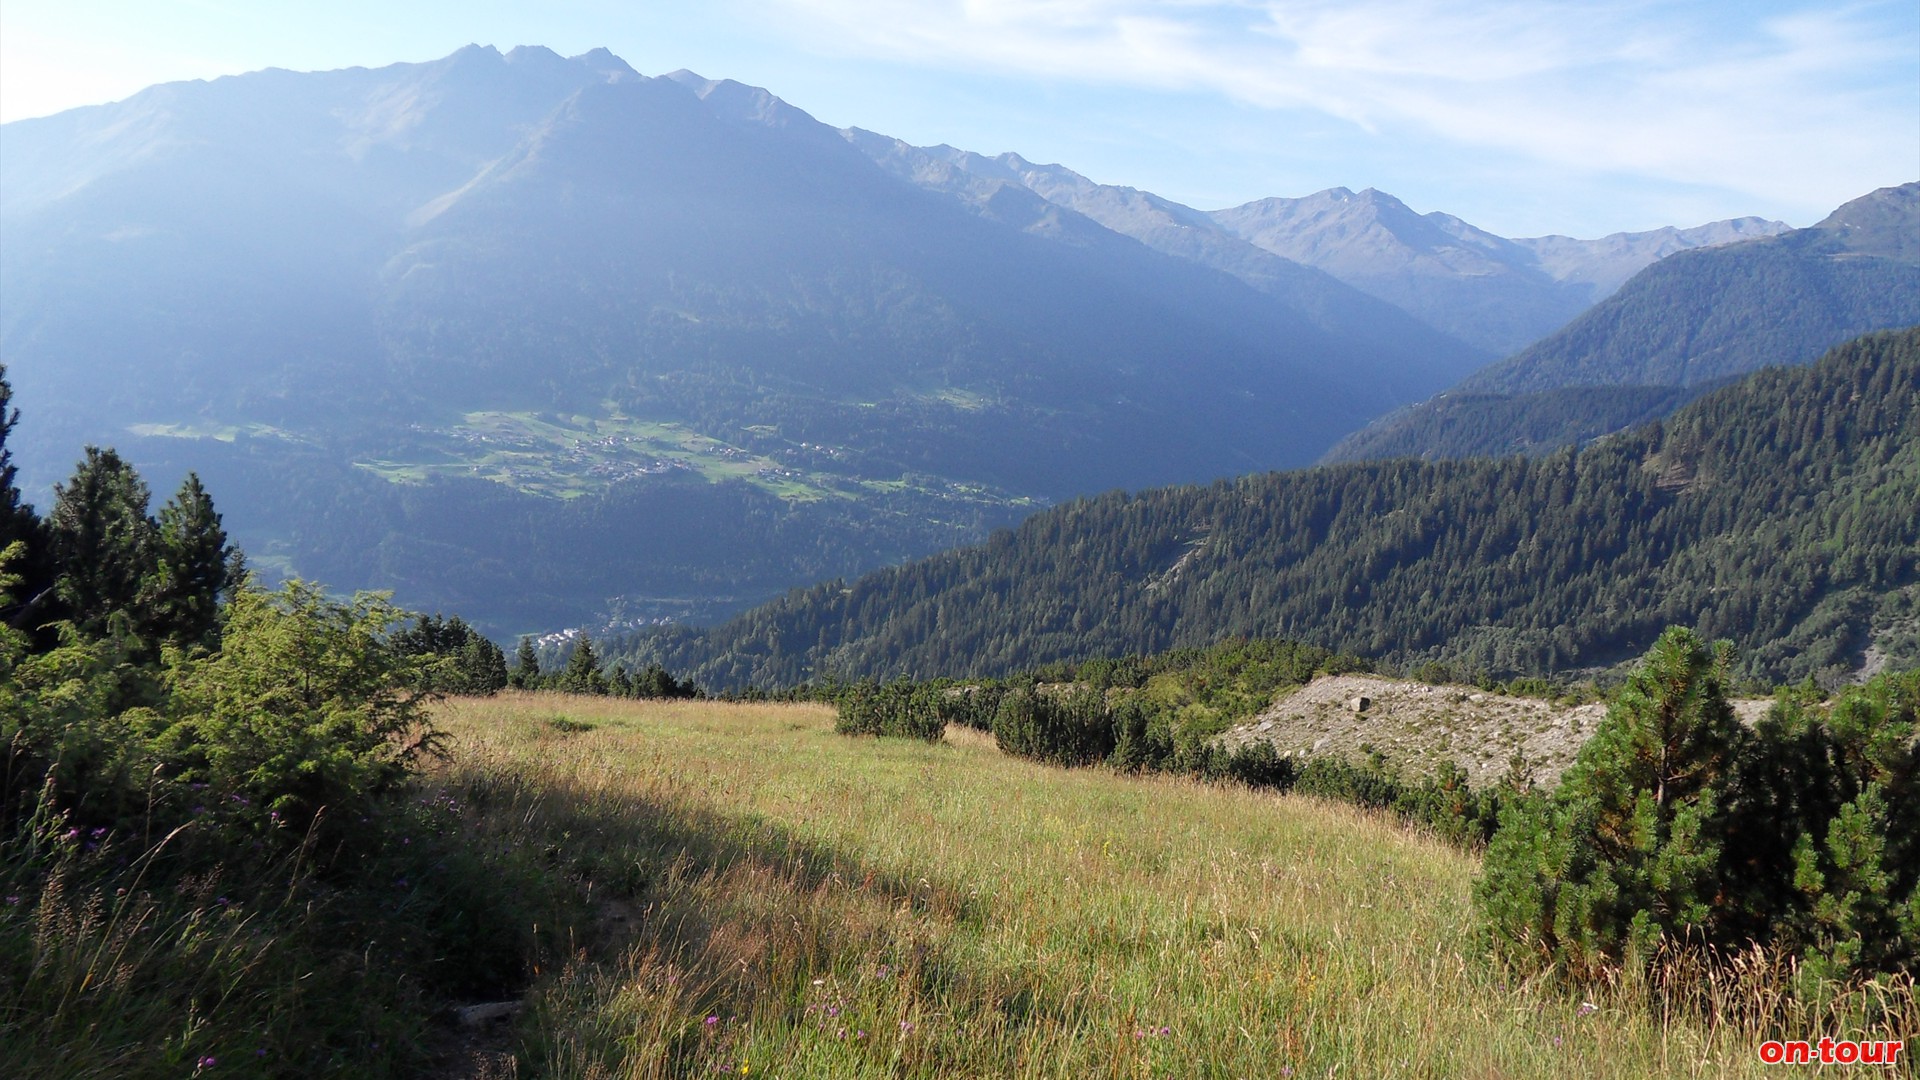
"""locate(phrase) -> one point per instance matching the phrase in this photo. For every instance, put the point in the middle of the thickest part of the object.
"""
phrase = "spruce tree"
(526, 666)
(582, 673)
(104, 545)
(197, 568)
(30, 564)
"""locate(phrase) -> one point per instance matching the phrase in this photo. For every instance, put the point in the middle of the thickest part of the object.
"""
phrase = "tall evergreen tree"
(104, 545)
(526, 666)
(19, 524)
(196, 567)
(582, 673)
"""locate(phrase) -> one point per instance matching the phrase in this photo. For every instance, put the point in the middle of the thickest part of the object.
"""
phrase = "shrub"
(1058, 725)
(897, 708)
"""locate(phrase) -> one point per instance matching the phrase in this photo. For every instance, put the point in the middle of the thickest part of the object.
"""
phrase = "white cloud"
(1803, 106)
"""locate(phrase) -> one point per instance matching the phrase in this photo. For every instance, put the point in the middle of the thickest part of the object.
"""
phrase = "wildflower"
(12, 900)
(1587, 1008)
(1164, 1030)
(73, 833)
(833, 1010)
(99, 832)
(906, 1027)
(861, 1034)
(208, 1062)
(712, 1020)
(222, 901)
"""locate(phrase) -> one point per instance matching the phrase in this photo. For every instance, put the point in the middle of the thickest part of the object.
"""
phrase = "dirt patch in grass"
(1416, 725)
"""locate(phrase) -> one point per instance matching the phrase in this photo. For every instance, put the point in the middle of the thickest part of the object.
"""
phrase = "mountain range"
(547, 341)
(1674, 331)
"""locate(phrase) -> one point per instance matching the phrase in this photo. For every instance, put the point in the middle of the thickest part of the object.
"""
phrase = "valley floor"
(769, 898)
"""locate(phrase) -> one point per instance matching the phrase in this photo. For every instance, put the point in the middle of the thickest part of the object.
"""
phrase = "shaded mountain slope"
(1676, 329)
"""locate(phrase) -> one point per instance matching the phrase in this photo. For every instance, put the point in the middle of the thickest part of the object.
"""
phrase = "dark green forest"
(1492, 425)
(1777, 513)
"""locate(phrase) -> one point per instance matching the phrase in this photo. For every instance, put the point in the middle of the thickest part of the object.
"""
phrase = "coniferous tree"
(483, 667)
(1627, 853)
(197, 567)
(104, 545)
(31, 567)
(582, 673)
(526, 666)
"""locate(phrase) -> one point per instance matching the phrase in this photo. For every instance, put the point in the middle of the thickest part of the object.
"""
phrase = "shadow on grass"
(705, 921)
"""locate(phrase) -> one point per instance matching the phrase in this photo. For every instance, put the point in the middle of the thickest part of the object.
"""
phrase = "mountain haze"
(1495, 293)
(503, 319)
(1679, 328)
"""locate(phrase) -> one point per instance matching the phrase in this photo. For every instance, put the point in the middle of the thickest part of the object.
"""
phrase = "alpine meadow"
(512, 567)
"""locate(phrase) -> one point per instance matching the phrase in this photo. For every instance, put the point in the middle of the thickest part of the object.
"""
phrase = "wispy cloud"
(1792, 102)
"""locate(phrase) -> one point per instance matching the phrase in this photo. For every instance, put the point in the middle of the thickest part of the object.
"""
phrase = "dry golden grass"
(778, 900)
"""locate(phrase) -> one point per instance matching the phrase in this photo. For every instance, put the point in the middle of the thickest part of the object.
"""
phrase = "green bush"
(1678, 825)
(1068, 725)
(897, 708)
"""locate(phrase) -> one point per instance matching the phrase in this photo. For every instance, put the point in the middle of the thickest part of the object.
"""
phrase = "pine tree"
(197, 568)
(1628, 852)
(526, 666)
(104, 545)
(483, 667)
(582, 673)
(31, 566)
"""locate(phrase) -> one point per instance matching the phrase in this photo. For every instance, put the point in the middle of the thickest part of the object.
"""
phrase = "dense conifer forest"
(1777, 512)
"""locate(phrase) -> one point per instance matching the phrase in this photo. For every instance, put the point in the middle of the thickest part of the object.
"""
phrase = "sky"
(1524, 117)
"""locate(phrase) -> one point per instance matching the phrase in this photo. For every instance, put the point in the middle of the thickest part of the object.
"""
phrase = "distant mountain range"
(1678, 328)
(1777, 512)
(1498, 295)
(546, 341)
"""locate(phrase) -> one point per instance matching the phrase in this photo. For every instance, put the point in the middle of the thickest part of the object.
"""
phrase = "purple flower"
(906, 1026)
(712, 1020)
(208, 1062)
(833, 1010)
(1164, 1030)
(99, 832)
(1587, 1008)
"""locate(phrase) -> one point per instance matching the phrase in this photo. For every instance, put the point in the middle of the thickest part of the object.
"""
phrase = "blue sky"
(1522, 116)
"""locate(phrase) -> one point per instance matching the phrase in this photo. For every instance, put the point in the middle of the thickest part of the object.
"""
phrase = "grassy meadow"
(761, 896)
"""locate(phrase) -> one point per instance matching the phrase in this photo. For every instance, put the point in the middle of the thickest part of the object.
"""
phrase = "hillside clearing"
(775, 899)
(1415, 725)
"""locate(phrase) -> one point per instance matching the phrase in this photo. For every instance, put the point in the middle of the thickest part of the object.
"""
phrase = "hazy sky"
(1522, 116)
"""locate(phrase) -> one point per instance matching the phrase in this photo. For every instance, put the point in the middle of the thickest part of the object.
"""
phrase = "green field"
(569, 455)
(773, 899)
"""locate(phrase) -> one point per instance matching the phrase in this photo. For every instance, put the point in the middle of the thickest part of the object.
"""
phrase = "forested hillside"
(1777, 512)
(1462, 425)
(1687, 322)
